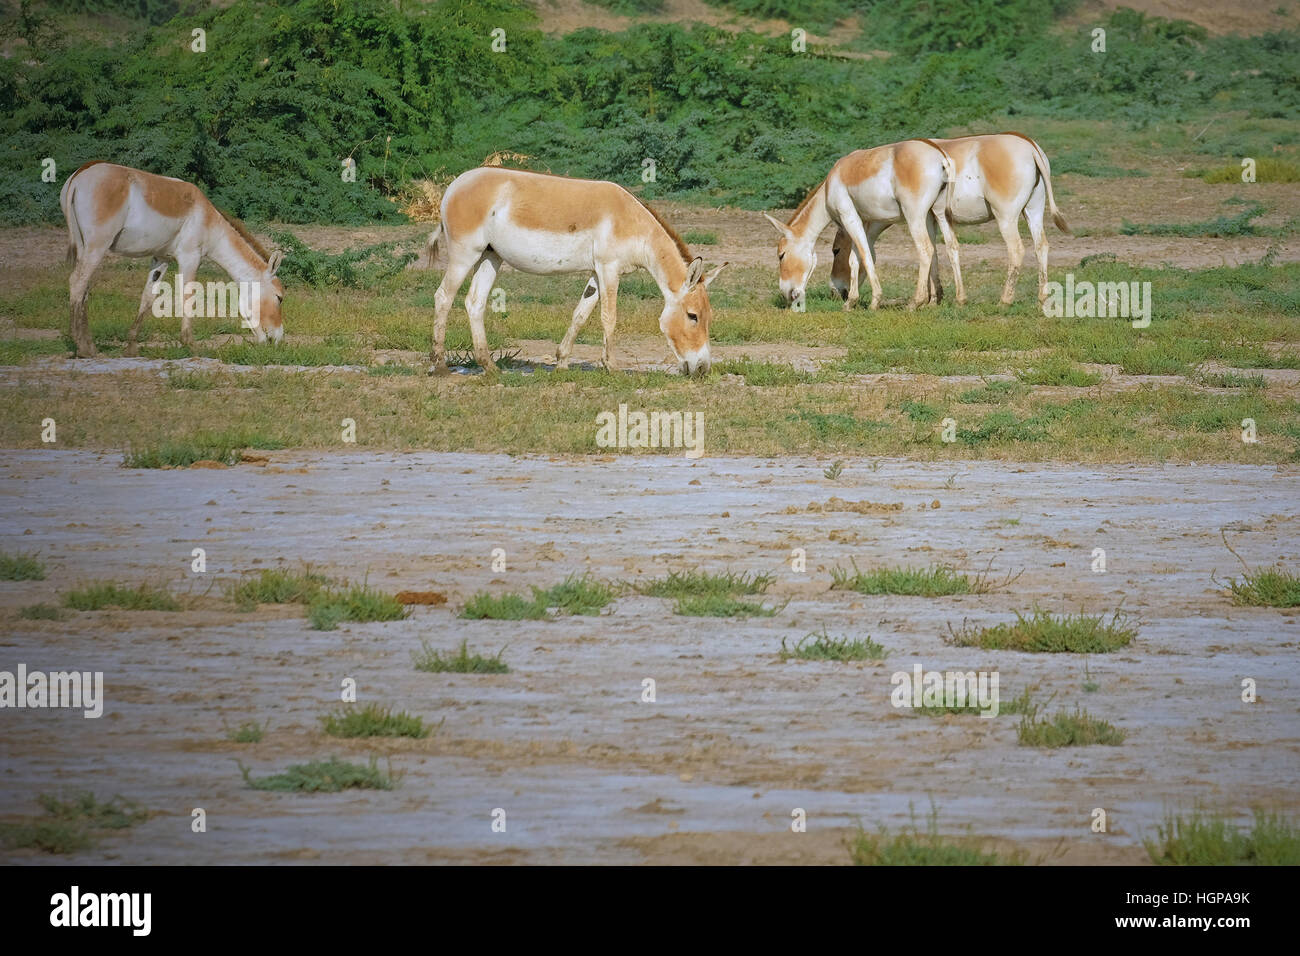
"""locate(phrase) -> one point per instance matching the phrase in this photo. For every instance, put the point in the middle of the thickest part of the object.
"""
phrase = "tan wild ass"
(864, 193)
(1000, 176)
(118, 209)
(547, 224)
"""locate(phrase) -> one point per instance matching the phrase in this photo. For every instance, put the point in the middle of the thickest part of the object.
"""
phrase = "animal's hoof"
(875, 305)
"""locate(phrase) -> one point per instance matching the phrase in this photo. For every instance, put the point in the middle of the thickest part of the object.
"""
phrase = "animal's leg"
(925, 256)
(1033, 214)
(873, 233)
(1009, 225)
(607, 279)
(586, 305)
(936, 284)
(459, 264)
(852, 224)
(156, 273)
(476, 305)
(187, 265)
(88, 260)
(954, 255)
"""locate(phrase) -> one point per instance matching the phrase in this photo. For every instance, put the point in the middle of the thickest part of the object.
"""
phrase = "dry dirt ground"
(736, 739)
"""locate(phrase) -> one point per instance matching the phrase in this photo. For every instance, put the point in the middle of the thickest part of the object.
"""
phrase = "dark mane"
(806, 200)
(244, 234)
(682, 249)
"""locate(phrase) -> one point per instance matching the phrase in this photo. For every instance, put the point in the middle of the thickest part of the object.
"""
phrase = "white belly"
(542, 253)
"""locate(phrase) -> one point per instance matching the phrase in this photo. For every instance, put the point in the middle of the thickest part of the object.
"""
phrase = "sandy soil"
(736, 740)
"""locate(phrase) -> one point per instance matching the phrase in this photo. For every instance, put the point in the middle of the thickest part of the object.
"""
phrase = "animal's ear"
(777, 224)
(693, 274)
(713, 275)
(273, 263)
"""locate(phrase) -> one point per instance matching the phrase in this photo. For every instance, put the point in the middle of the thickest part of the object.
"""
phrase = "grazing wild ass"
(547, 224)
(864, 193)
(1000, 176)
(118, 209)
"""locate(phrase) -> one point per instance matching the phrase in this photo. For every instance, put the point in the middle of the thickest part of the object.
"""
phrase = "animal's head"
(686, 317)
(841, 247)
(259, 302)
(796, 258)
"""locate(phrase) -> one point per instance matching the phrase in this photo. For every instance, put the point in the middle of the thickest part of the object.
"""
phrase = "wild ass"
(864, 193)
(546, 225)
(1000, 176)
(134, 213)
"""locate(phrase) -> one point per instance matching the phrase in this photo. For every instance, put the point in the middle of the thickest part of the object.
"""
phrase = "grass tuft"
(373, 721)
(820, 646)
(323, 776)
(912, 847)
(249, 732)
(576, 595)
(462, 662)
(506, 607)
(277, 586)
(934, 581)
(21, 567)
(102, 594)
(1046, 633)
(718, 605)
(1210, 840)
(1064, 729)
(360, 603)
(683, 584)
(41, 612)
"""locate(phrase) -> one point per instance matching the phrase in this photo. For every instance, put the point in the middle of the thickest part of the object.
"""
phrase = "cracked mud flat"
(736, 740)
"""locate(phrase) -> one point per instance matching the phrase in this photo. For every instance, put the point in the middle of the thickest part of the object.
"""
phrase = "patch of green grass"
(577, 594)
(1042, 632)
(693, 583)
(226, 448)
(1056, 370)
(41, 612)
(21, 567)
(934, 581)
(506, 607)
(102, 594)
(820, 646)
(912, 847)
(764, 373)
(1222, 227)
(277, 586)
(462, 662)
(194, 381)
(373, 721)
(360, 603)
(1267, 170)
(1271, 587)
(392, 368)
(694, 237)
(1231, 380)
(717, 605)
(1210, 840)
(1000, 427)
(1065, 729)
(919, 411)
(249, 732)
(323, 776)
(994, 393)
(1268, 588)
(70, 823)
(1023, 704)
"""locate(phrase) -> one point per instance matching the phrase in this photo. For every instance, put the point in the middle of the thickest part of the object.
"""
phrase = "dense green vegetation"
(285, 91)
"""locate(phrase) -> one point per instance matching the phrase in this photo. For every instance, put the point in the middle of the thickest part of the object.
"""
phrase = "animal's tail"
(949, 175)
(435, 242)
(1045, 170)
(70, 214)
